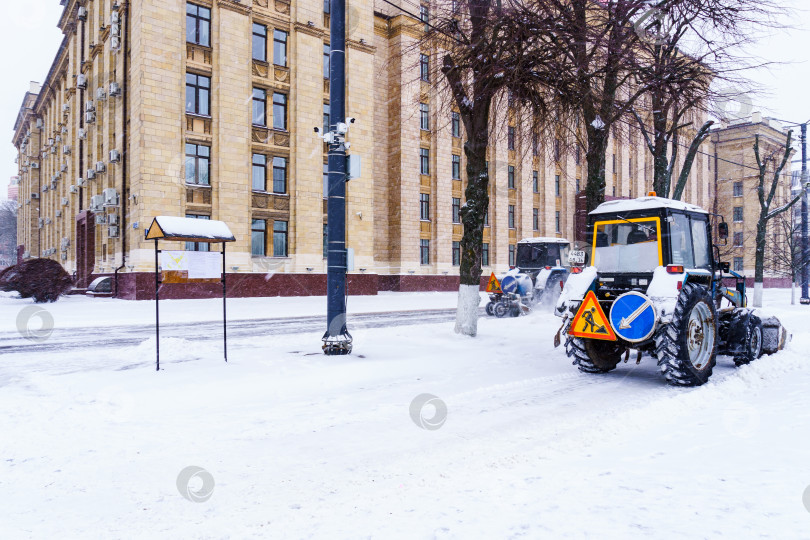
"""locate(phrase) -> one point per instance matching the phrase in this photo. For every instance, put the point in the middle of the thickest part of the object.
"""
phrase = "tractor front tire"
(686, 347)
(500, 310)
(752, 344)
(490, 309)
(594, 355)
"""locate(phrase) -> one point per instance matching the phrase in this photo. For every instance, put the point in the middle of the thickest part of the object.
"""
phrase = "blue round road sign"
(633, 316)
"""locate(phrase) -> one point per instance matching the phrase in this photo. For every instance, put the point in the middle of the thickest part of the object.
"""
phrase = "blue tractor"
(541, 268)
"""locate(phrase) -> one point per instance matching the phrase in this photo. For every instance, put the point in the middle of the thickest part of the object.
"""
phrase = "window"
(738, 264)
(259, 172)
(325, 240)
(198, 25)
(455, 124)
(424, 251)
(198, 164)
(279, 175)
(556, 149)
(702, 244)
(198, 94)
(424, 207)
(557, 221)
(424, 67)
(326, 121)
(456, 210)
(535, 219)
(259, 107)
(630, 168)
(325, 179)
(578, 189)
(511, 255)
(198, 246)
(738, 239)
(557, 185)
(258, 237)
(577, 156)
(456, 167)
(511, 177)
(485, 254)
(486, 218)
(614, 162)
(510, 138)
(535, 182)
(424, 116)
(738, 189)
(634, 247)
(424, 161)
(456, 253)
(511, 216)
(738, 213)
(535, 144)
(680, 240)
(279, 239)
(424, 16)
(259, 42)
(280, 111)
(326, 6)
(280, 48)
(327, 62)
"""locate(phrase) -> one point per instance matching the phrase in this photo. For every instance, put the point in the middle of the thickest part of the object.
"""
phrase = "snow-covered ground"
(299, 445)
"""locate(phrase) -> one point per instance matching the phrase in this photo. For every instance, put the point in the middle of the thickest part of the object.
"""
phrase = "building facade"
(736, 176)
(206, 109)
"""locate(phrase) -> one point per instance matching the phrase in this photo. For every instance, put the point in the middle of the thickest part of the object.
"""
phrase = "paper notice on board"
(174, 261)
(204, 265)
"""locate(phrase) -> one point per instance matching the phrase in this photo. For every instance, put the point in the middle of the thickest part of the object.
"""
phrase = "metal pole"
(805, 299)
(157, 310)
(337, 340)
(224, 311)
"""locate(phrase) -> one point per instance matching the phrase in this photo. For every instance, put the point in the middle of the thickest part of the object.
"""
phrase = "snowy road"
(103, 336)
(300, 445)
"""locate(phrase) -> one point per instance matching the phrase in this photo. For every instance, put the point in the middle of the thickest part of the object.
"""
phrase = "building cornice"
(234, 5)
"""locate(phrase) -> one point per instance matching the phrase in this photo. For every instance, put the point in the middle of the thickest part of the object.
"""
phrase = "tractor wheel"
(514, 311)
(500, 310)
(594, 355)
(753, 342)
(489, 309)
(687, 347)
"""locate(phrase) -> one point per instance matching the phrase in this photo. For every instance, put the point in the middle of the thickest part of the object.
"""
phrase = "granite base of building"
(141, 285)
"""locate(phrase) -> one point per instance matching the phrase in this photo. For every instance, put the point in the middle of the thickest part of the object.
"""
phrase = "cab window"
(627, 246)
(680, 240)
(700, 239)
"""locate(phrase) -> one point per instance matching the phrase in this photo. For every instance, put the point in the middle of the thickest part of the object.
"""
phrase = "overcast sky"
(29, 40)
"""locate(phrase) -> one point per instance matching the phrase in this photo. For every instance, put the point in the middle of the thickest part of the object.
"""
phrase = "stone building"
(736, 178)
(206, 109)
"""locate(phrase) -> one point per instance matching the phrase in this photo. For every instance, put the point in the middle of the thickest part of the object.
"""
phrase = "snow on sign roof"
(544, 240)
(644, 203)
(189, 230)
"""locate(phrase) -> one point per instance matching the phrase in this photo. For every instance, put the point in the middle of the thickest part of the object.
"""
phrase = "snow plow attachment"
(774, 335)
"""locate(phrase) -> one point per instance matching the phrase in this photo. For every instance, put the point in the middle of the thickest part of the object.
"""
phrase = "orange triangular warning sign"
(590, 321)
(494, 286)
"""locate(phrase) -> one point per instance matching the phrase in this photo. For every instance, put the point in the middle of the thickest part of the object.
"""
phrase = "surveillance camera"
(351, 119)
(317, 130)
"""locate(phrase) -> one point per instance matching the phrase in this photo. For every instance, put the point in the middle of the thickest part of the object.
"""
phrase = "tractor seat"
(636, 237)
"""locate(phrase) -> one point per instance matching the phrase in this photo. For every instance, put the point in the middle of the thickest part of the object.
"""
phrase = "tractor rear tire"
(594, 355)
(752, 345)
(686, 347)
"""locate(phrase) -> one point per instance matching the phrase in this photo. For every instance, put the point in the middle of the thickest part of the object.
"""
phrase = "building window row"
(258, 231)
(261, 169)
(280, 39)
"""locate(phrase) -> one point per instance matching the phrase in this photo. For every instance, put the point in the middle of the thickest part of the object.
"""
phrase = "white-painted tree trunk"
(467, 314)
(757, 294)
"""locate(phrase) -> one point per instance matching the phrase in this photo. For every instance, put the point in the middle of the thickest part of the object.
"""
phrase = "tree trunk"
(472, 216)
(759, 261)
(596, 158)
(701, 135)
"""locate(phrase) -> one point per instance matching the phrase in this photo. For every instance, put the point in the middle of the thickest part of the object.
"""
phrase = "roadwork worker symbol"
(590, 321)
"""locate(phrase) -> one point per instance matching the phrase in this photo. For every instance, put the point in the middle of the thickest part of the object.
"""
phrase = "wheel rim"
(700, 336)
(756, 341)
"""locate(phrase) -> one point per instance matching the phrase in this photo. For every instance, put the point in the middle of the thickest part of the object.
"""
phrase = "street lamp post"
(805, 268)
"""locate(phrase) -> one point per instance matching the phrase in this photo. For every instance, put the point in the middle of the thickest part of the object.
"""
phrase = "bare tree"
(484, 47)
(785, 254)
(765, 212)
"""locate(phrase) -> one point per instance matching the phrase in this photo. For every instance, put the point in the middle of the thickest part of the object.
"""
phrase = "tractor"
(539, 275)
(656, 286)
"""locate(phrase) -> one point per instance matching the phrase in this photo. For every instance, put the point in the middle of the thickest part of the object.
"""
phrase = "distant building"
(736, 178)
(13, 188)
